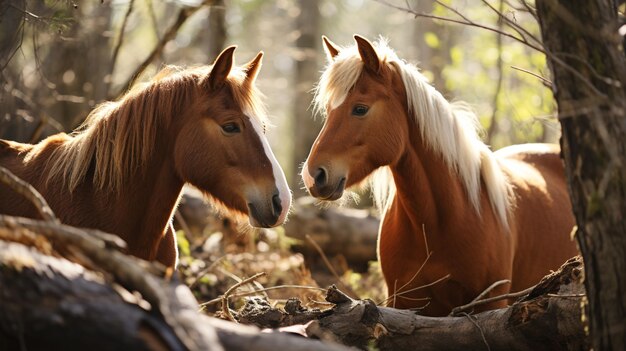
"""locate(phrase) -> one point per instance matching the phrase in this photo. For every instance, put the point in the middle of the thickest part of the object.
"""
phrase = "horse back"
(542, 216)
(13, 156)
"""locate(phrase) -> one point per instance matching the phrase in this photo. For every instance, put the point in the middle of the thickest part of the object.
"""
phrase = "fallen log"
(548, 318)
(50, 303)
(348, 232)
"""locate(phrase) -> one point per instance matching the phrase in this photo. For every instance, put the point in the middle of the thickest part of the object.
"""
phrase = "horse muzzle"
(267, 214)
(321, 186)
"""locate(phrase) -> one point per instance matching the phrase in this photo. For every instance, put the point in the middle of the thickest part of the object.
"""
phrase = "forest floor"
(216, 255)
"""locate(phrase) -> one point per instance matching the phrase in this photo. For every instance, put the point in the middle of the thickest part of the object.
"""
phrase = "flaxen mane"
(118, 136)
(451, 130)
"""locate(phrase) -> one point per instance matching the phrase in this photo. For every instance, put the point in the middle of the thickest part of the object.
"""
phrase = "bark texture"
(548, 318)
(588, 67)
(50, 303)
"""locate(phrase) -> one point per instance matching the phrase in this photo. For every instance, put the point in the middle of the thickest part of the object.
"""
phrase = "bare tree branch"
(169, 35)
(26, 190)
(589, 85)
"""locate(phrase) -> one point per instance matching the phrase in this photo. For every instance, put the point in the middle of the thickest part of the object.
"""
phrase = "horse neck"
(151, 197)
(145, 201)
(429, 194)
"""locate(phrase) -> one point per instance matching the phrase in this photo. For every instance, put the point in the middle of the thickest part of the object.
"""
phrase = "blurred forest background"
(60, 58)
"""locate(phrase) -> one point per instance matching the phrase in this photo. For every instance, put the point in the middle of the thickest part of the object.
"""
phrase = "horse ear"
(368, 54)
(331, 48)
(221, 68)
(253, 67)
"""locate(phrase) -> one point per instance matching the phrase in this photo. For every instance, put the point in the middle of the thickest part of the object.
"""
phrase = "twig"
(330, 267)
(26, 190)
(256, 291)
(567, 295)
(120, 39)
(224, 298)
(544, 80)
(458, 310)
(486, 291)
(490, 288)
(522, 40)
(512, 24)
(397, 291)
(464, 22)
(399, 294)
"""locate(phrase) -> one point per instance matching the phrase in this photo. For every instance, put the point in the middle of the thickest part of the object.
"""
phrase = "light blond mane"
(451, 130)
(118, 137)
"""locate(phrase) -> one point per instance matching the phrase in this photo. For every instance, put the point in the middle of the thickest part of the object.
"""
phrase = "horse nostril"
(277, 208)
(320, 177)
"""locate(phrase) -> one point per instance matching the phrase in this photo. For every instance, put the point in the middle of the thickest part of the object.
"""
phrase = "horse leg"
(168, 250)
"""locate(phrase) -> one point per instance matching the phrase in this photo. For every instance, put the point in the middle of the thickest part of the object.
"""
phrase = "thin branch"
(457, 310)
(486, 291)
(27, 190)
(447, 276)
(224, 298)
(398, 291)
(523, 32)
(330, 266)
(464, 22)
(490, 288)
(544, 80)
(19, 32)
(529, 8)
(539, 48)
(169, 35)
(120, 40)
(256, 291)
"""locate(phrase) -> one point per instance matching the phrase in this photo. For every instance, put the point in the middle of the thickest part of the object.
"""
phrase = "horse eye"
(231, 128)
(359, 110)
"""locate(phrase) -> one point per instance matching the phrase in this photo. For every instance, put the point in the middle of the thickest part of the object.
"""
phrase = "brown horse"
(457, 217)
(124, 169)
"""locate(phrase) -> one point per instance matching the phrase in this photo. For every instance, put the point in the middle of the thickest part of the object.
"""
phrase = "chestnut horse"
(123, 171)
(457, 217)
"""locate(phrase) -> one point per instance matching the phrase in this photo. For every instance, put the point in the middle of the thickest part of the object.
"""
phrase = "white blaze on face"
(306, 176)
(279, 176)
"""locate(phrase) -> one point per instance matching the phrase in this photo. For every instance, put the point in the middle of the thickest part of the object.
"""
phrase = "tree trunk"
(433, 58)
(589, 75)
(305, 128)
(217, 29)
(78, 67)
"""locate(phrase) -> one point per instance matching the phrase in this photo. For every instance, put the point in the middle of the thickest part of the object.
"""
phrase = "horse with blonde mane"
(457, 216)
(123, 171)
